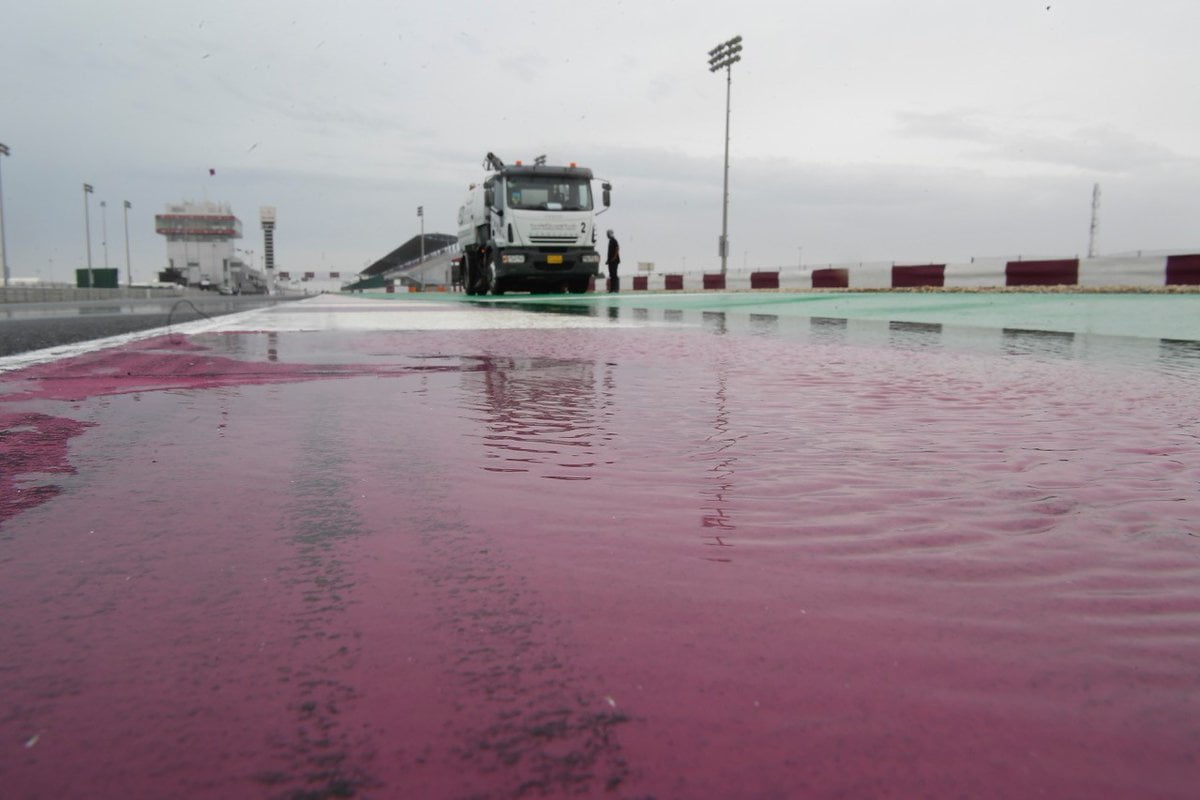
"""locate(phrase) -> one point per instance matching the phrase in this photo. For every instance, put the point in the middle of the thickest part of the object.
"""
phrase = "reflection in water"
(323, 513)
(641, 314)
(543, 415)
(936, 555)
(873, 485)
(673, 315)
(718, 480)
(570, 309)
(1022, 342)
(915, 334)
(827, 327)
(714, 321)
(764, 324)
(1181, 350)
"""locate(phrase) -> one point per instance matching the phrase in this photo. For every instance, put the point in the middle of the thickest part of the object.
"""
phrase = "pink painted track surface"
(596, 562)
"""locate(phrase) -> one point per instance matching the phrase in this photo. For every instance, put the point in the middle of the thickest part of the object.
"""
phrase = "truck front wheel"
(493, 281)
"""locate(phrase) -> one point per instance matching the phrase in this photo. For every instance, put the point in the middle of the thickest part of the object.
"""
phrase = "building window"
(283, 276)
(333, 275)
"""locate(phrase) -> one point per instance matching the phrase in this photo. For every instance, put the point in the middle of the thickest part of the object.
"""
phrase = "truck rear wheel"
(468, 273)
(476, 279)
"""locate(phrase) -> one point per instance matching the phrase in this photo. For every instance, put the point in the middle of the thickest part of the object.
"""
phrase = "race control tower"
(200, 240)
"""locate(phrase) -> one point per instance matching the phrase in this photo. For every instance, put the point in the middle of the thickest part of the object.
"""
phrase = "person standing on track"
(613, 261)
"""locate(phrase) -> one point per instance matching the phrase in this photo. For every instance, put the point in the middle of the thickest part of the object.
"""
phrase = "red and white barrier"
(1134, 271)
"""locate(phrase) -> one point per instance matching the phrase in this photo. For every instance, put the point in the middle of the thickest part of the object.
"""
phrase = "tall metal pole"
(1095, 228)
(725, 192)
(87, 231)
(3, 242)
(104, 230)
(421, 214)
(724, 56)
(128, 269)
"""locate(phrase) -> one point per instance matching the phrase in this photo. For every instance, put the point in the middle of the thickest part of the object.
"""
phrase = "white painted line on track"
(336, 313)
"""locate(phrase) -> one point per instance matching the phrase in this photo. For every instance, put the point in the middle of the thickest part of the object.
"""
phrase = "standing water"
(754, 558)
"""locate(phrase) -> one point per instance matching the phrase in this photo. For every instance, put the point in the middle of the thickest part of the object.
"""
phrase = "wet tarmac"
(35, 326)
(395, 548)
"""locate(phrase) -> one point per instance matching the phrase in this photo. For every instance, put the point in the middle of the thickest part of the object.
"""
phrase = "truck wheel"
(468, 273)
(493, 282)
(578, 285)
(479, 275)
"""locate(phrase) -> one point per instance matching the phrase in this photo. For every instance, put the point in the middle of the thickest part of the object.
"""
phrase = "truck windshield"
(549, 193)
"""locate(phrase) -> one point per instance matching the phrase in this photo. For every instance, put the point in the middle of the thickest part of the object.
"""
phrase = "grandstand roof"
(409, 251)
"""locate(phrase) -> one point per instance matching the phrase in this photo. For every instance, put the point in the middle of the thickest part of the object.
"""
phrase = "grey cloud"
(1096, 148)
(953, 125)
(1100, 148)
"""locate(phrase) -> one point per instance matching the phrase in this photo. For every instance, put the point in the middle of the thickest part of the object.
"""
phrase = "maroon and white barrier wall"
(1170, 270)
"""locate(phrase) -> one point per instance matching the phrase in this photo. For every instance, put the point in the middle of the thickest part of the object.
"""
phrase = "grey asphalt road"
(34, 326)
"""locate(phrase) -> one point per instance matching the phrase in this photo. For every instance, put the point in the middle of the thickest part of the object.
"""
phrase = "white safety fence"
(60, 294)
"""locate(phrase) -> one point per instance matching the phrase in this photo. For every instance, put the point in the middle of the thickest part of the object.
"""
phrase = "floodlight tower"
(3, 244)
(128, 268)
(87, 231)
(724, 56)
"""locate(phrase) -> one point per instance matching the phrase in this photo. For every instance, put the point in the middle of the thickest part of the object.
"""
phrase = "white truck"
(530, 228)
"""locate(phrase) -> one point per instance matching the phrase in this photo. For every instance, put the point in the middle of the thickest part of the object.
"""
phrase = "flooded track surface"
(33, 326)
(345, 548)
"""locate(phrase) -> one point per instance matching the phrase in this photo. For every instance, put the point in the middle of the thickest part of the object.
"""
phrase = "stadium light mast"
(87, 232)
(104, 230)
(421, 215)
(128, 268)
(724, 56)
(3, 243)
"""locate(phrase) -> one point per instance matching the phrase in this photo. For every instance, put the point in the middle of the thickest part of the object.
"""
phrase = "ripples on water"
(1010, 518)
(689, 555)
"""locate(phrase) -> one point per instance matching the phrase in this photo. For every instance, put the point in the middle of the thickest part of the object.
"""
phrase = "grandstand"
(405, 266)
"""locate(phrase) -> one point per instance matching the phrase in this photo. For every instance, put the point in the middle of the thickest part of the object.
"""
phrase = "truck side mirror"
(607, 194)
(489, 198)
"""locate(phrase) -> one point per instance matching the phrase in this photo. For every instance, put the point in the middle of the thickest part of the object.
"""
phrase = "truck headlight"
(591, 258)
(514, 258)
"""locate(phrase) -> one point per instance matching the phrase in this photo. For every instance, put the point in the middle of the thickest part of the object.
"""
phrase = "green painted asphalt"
(1157, 315)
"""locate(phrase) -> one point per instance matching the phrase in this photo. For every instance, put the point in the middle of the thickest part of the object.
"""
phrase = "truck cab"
(530, 228)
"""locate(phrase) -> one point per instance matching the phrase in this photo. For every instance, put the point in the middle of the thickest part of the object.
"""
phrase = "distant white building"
(310, 281)
(200, 245)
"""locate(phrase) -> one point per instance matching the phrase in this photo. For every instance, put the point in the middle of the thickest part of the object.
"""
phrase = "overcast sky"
(912, 131)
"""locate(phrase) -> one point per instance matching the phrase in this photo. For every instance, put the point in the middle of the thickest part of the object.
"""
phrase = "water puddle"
(695, 553)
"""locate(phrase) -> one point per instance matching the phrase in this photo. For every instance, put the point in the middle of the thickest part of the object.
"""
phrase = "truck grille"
(553, 239)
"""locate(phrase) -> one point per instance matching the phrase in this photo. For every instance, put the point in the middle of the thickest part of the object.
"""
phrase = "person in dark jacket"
(613, 261)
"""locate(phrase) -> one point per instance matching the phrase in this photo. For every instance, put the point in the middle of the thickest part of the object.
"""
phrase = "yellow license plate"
(553, 259)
